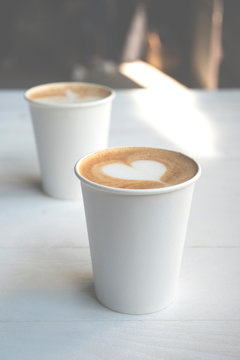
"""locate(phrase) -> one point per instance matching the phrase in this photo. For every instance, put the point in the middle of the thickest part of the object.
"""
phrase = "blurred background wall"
(193, 41)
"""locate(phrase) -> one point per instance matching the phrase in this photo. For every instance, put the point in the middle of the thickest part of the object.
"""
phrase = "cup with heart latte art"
(137, 202)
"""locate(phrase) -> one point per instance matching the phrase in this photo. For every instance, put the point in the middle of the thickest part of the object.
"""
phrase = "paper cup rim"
(91, 103)
(137, 192)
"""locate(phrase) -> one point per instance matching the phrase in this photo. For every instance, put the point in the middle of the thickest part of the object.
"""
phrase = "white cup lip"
(99, 101)
(120, 191)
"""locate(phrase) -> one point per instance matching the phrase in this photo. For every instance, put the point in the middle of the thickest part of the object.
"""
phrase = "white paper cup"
(63, 132)
(136, 240)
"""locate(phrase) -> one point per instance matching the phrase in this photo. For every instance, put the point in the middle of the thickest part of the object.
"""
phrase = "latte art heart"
(137, 170)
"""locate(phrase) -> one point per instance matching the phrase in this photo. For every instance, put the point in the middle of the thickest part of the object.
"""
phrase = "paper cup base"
(132, 310)
(75, 194)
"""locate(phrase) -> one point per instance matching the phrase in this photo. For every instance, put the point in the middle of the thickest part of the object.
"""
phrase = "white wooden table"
(48, 310)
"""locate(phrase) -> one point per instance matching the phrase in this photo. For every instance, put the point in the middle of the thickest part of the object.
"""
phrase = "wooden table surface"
(48, 310)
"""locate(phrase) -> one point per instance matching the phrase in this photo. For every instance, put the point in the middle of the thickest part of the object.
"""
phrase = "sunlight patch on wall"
(148, 76)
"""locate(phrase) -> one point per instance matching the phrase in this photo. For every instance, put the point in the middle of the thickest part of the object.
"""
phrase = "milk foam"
(70, 97)
(138, 170)
(68, 93)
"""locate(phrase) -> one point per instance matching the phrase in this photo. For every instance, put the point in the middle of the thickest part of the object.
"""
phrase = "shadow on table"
(49, 285)
(19, 175)
(22, 185)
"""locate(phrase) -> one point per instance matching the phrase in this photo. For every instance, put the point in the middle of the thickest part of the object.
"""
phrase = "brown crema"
(54, 90)
(179, 167)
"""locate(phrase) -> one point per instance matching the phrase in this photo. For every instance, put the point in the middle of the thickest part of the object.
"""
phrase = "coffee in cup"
(137, 202)
(138, 168)
(69, 119)
(67, 93)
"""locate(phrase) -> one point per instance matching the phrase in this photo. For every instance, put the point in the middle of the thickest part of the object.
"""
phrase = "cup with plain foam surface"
(70, 119)
(137, 202)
